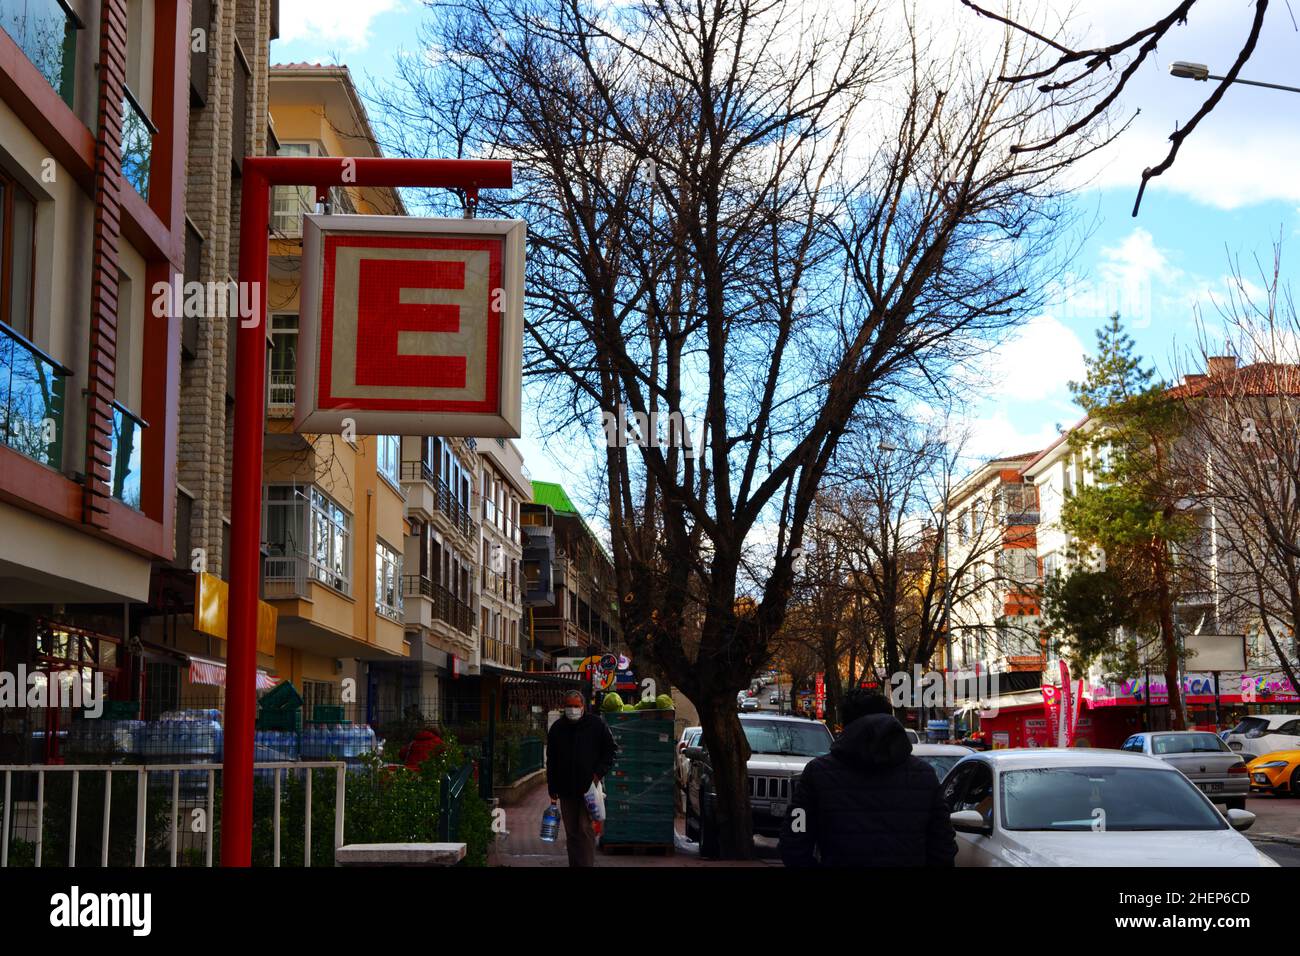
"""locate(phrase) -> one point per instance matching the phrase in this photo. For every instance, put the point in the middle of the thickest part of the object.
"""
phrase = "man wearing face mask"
(579, 752)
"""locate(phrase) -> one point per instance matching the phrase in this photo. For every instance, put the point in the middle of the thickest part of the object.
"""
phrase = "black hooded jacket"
(868, 802)
(576, 751)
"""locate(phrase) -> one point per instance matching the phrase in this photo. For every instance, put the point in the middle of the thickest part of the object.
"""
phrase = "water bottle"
(550, 824)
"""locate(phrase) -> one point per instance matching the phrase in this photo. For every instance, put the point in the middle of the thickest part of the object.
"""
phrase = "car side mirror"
(1240, 819)
(694, 753)
(970, 821)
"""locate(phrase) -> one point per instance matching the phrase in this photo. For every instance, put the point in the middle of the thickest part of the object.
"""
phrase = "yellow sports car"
(1278, 772)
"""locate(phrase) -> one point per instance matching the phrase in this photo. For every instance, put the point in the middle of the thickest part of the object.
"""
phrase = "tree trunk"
(729, 757)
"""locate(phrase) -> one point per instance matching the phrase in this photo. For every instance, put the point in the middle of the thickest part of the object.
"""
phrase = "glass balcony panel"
(137, 145)
(32, 393)
(47, 33)
(128, 435)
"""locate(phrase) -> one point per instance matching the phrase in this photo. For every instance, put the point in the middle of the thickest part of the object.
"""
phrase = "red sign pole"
(260, 173)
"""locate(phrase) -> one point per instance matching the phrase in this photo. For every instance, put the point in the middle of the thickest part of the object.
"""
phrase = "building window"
(331, 541)
(17, 255)
(289, 203)
(284, 361)
(306, 529)
(388, 580)
(389, 454)
(319, 693)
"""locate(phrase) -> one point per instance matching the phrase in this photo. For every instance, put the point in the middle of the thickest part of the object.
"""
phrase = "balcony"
(438, 604)
(287, 576)
(32, 390)
(138, 132)
(501, 653)
(551, 633)
(1019, 504)
(45, 30)
(281, 391)
(124, 469)
(428, 495)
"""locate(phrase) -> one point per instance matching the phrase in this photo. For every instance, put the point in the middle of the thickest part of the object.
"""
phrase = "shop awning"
(213, 674)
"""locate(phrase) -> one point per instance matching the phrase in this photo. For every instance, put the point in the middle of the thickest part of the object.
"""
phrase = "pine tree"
(1127, 523)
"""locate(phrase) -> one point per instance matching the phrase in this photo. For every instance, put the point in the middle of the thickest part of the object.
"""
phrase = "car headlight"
(1271, 765)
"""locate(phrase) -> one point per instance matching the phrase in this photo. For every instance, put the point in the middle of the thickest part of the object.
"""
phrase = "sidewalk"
(523, 846)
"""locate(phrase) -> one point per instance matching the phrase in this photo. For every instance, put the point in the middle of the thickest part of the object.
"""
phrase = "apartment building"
(182, 628)
(583, 618)
(992, 544)
(93, 139)
(503, 488)
(334, 525)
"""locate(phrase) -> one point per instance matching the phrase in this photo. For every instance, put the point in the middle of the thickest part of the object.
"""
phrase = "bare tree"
(760, 215)
(1243, 447)
(1099, 75)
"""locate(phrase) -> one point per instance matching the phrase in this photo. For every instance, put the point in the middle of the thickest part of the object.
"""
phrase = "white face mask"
(573, 713)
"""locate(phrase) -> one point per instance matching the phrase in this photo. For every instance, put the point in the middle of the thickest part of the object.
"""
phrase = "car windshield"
(787, 737)
(941, 763)
(1250, 723)
(1104, 798)
(1163, 744)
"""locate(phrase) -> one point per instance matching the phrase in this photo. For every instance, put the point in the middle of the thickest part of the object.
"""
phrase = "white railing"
(142, 772)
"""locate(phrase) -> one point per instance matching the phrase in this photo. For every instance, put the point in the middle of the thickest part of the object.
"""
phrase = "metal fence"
(174, 813)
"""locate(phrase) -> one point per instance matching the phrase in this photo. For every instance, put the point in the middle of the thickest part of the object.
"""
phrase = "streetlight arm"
(1270, 86)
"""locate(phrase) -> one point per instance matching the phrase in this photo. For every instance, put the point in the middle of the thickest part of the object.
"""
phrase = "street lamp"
(1199, 71)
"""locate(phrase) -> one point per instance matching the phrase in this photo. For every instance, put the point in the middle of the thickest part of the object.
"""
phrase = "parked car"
(1278, 772)
(780, 747)
(1265, 733)
(1065, 807)
(1203, 758)
(941, 757)
(775, 698)
(690, 737)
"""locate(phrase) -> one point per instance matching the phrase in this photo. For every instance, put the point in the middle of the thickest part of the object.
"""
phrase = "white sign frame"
(1215, 652)
(503, 421)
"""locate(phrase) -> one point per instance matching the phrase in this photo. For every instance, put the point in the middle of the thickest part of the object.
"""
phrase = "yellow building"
(334, 530)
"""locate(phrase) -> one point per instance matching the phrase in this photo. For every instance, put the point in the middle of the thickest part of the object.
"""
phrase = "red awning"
(213, 674)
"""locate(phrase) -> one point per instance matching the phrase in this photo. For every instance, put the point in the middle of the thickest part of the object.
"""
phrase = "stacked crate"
(639, 799)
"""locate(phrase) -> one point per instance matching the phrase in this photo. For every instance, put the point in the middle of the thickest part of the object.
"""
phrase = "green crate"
(121, 710)
(327, 714)
(279, 720)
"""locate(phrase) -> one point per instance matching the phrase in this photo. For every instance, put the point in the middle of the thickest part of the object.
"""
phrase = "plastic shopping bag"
(595, 797)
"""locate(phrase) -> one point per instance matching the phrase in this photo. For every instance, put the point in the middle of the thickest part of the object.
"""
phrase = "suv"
(780, 747)
(1264, 733)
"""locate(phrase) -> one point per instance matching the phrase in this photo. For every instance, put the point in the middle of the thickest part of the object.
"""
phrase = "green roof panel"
(553, 495)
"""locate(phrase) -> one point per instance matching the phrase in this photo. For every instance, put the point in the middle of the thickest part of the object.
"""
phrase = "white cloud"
(1037, 362)
(995, 435)
(342, 23)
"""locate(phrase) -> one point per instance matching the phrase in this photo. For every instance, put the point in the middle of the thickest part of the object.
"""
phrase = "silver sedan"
(1203, 758)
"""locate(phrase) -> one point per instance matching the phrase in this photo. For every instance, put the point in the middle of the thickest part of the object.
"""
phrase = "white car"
(1057, 807)
(942, 757)
(1264, 733)
(690, 738)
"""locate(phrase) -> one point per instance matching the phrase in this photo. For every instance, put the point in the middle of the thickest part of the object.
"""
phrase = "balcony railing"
(32, 391)
(287, 575)
(138, 132)
(1019, 504)
(499, 652)
(281, 389)
(46, 30)
(446, 607)
(447, 502)
(128, 436)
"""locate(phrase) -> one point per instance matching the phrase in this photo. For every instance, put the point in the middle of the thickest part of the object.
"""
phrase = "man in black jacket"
(868, 802)
(579, 752)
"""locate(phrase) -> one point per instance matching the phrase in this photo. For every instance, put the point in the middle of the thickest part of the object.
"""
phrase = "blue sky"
(1234, 191)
